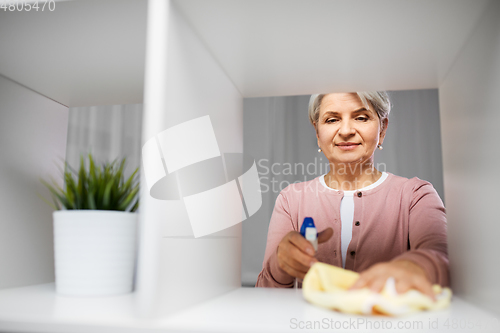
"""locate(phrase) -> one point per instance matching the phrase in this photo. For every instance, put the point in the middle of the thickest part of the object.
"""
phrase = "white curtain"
(108, 132)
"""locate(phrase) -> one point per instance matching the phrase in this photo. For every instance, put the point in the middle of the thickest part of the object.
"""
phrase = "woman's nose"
(346, 128)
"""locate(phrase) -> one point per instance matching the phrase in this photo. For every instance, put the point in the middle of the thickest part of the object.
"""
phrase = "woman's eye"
(362, 118)
(331, 120)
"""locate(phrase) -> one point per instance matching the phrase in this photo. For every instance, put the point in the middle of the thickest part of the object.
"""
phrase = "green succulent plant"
(97, 188)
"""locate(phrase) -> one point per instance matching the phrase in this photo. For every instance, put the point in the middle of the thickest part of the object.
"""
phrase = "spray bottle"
(309, 232)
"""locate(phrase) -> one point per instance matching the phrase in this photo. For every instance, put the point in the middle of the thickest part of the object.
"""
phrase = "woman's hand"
(407, 275)
(296, 254)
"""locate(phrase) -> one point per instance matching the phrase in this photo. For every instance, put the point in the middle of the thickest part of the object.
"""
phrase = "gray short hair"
(378, 99)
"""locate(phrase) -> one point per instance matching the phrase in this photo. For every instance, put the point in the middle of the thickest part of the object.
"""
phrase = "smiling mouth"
(348, 147)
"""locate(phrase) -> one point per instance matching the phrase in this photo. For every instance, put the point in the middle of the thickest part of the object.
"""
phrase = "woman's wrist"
(411, 266)
(407, 264)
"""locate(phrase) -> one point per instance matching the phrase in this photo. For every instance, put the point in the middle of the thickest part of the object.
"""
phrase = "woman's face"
(347, 132)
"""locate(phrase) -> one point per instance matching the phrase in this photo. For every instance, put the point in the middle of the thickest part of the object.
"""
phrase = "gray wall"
(277, 132)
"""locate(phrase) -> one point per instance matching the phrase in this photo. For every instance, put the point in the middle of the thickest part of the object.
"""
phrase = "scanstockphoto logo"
(330, 324)
(184, 163)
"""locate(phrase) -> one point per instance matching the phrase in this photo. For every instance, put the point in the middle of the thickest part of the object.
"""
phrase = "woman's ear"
(316, 130)
(383, 130)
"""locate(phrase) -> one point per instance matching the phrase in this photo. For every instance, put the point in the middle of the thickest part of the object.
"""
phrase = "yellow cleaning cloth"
(326, 285)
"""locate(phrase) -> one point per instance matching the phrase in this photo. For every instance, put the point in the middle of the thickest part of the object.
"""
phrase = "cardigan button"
(353, 253)
(359, 194)
(357, 223)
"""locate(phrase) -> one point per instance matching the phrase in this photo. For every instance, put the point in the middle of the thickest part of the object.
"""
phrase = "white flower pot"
(94, 252)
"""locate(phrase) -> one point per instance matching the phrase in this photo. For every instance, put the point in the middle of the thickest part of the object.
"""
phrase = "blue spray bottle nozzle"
(308, 231)
(308, 222)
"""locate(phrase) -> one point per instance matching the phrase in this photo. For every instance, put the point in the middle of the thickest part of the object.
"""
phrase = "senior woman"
(376, 223)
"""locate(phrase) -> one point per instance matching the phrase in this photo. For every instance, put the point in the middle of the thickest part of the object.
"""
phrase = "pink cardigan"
(399, 219)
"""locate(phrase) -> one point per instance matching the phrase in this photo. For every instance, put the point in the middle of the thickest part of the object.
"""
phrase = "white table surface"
(38, 309)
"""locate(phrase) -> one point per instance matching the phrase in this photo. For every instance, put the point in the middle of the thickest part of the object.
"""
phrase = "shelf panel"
(38, 309)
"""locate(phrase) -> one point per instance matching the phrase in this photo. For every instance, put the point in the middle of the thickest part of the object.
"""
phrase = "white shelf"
(38, 309)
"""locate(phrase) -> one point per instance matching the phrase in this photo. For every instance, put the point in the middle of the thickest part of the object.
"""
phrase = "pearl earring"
(380, 147)
(319, 150)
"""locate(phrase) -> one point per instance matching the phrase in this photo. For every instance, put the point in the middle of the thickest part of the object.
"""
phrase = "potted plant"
(95, 229)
